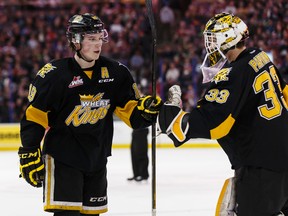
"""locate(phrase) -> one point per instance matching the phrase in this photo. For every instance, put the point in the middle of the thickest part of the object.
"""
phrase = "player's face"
(91, 45)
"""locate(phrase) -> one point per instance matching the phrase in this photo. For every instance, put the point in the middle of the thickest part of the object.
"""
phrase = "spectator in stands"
(167, 19)
(25, 29)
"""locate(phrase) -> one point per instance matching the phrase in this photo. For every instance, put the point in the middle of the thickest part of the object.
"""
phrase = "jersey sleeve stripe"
(223, 129)
(125, 113)
(285, 93)
(38, 116)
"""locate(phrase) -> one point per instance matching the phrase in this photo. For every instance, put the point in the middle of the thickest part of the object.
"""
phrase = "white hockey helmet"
(222, 33)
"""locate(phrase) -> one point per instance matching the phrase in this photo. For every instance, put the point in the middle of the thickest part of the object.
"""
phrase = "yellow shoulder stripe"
(285, 93)
(38, 116)
(222, 129)
(125, 113)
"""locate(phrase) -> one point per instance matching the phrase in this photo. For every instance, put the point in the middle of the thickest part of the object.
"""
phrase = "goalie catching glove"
(150, 107)
(174, 95)
(31, 165)
(174, 122)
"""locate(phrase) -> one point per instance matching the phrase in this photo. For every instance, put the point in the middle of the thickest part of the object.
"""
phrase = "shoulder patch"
(222, 75)
(45, 70)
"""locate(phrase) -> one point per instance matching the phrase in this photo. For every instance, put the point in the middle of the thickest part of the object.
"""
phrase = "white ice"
(188, 182)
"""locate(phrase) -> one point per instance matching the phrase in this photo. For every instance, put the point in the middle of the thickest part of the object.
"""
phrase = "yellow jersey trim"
(38, 116)
(88, 73)
(125, 113)
(223, 129)
(285, 93)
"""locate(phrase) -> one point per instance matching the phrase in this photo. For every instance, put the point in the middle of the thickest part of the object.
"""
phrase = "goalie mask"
(221, 33)
(79, 25)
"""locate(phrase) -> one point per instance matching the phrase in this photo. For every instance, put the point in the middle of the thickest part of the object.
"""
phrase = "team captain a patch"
(222, 75)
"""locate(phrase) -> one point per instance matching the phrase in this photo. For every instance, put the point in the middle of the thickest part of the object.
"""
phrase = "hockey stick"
(154, 38)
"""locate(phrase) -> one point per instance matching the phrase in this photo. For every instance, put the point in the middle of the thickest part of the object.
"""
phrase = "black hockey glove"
(31, 165)
(150, 107)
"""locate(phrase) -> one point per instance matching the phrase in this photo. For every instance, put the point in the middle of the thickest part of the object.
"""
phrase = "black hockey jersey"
(245, 110)
(77, 111)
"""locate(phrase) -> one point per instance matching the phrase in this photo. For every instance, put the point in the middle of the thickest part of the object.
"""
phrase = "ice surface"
(188, 181)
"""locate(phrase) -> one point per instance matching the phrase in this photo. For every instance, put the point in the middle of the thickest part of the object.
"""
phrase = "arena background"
(33, 33)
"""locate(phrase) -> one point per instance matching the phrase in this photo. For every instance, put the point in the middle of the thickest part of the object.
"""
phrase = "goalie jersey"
(75, 108)
(245, 110)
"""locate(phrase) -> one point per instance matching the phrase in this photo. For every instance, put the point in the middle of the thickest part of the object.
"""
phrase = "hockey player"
(139, 155)
(73, 100)
(245, 109)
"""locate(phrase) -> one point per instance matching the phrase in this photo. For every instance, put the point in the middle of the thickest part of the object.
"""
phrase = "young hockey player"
(245, 110)
(73, 100)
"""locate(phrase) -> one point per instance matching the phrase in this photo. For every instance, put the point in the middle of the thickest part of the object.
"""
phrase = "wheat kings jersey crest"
(245, 109)
(75, 107)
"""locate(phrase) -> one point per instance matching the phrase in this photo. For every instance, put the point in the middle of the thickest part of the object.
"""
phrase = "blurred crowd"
(33, 33)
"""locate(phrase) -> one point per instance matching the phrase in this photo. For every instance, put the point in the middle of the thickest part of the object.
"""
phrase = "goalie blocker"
(173, 121)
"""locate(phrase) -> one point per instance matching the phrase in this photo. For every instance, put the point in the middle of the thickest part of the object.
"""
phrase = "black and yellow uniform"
(75, 108)
(245, 106)
(245, 109)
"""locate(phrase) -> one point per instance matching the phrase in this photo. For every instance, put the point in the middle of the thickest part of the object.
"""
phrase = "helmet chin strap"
(81, 56)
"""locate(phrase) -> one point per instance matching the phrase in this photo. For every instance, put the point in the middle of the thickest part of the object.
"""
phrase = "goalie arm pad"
(227, 202)
(173, 121)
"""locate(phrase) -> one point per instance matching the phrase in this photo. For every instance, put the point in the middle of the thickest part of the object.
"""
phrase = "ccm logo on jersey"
(98, 199)
(106, 80)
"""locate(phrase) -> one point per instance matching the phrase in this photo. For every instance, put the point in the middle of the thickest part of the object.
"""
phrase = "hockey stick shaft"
(153, 141)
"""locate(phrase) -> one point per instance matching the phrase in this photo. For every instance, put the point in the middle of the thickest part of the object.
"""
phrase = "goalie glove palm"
(174, 122)
(31, 165)
(150, 107)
